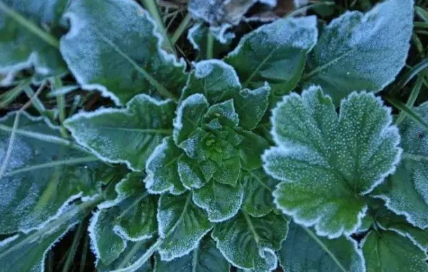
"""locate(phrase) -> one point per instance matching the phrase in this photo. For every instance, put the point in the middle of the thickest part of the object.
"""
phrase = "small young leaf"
(251, 106)
(181, 225)
(406, 192)
(304, 249)
(43, 174)
(228, 171)
(390, 221)
(25, 43)
(327, 162)
(205, 258)
(130, 217)
(357, 51)
(218, 82)
(250, 243)
(275, 53)
(106, 244)
(162, 169)
(124, 135)
(190, 173)
(136, 212)
(224, 112)
(220, 201)
(100, 58)
(258, 187)
(189, 116)
(391, 252)
(215, 79)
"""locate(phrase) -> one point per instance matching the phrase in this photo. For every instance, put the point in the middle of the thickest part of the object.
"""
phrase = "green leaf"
(359, 51)
(205, 258)
(162, 169)
(194, 146)
(389, 221)
(124, 135)
(251, 149)
(120, 68)
(406, 192)
(275, 53)
(224, 112)
(391, 252)
(251, 106)
(131, 216)
(303, 249)
(190, 173)
(258, 187)
(136, 212)
(228, 171)
(215, 79)
(27, 251)
(250, 243)
(189, 117)
(129, 257)
(24, 43)
(218, 82)
(328, 162)
(181, 225)
(31, 257)
(106, 244)
(220, 201)
(43, 174)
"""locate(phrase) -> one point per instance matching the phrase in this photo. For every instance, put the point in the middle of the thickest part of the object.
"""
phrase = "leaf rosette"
(212, 146)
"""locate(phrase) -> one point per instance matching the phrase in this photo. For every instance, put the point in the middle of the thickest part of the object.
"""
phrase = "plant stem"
(251, 227)
(131, 254)
(151, 6)
(84, 254)
(181, 28)
(60, 101)
(210, 45)
(143, 259)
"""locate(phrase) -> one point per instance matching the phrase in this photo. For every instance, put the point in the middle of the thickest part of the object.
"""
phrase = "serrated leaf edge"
(280, 148)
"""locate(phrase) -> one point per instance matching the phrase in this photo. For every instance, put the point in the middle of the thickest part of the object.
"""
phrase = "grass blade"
(408, 111)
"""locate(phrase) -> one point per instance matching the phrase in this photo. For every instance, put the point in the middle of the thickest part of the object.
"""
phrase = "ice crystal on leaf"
(329, 161)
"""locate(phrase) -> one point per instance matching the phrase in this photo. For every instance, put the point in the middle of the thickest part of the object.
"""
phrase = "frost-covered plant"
(280, 153)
